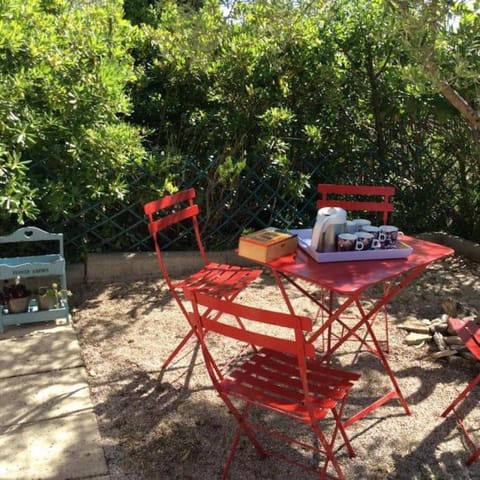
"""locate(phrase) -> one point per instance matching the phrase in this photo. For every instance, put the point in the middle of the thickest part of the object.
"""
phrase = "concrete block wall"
(467, 248)
(120, 267)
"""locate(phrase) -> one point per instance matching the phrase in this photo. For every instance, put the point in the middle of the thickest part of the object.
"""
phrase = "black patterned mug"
(366, 241)
(390, 235)
(346, 242)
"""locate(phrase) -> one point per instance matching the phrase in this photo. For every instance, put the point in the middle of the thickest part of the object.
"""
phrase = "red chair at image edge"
(469, 332)
(360, 198)
(217, 279)
(280, 375)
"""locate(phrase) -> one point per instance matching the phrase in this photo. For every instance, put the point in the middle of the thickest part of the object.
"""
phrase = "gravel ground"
(171, 425)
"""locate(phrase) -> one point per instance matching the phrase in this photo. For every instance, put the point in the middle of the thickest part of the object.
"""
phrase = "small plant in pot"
(51, 296)
(17, 296)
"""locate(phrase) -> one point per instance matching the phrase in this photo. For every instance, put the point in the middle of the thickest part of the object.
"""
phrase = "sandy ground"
(171, 425)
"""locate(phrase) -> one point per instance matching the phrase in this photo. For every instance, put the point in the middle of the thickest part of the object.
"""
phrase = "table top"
(349, 277)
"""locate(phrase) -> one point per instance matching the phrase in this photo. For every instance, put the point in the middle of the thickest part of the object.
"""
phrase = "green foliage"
(101, 107)
(62, 107)
(289, 81)
(16, 192)
(140, 11)
(440, 41)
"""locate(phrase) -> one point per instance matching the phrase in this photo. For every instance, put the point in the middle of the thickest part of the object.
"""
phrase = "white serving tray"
(305, 235)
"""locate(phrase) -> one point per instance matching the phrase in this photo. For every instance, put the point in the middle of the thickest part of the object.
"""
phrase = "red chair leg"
(177, 349)
(341, 428)
(461, 396)
(330, 456)
(452, 408)
(473, 457)
(241, 428)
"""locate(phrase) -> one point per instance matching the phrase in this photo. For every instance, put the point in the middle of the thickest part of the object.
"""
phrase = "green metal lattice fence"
(260, 197)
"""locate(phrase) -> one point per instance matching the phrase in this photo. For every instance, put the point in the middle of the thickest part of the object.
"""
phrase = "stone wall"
(120, 267)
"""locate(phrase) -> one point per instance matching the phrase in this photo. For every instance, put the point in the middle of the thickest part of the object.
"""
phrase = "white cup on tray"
(359, 223)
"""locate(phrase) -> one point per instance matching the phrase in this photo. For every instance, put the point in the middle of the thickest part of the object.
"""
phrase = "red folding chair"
(217, 279)
(368, 199)
(358, 198)
(469, 332)
(279, 375)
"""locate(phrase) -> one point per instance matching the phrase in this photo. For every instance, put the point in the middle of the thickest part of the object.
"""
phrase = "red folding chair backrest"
(352, 198)
(168, 211)
(244, 324)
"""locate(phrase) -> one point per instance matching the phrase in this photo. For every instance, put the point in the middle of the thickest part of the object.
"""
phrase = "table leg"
(364, 321)
(332, 316)
(395, 393)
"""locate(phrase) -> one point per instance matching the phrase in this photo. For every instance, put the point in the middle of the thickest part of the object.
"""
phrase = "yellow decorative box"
(267, 244)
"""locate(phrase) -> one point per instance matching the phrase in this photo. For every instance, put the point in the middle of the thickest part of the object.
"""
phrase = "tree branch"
(460, 104)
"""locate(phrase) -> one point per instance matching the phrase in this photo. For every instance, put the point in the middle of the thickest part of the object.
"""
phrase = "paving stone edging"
(120, 267)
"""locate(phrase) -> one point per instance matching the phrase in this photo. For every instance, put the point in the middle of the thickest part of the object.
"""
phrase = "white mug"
(360, 222)
(351, 226)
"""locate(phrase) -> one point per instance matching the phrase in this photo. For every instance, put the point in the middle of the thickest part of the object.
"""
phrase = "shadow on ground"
(159, 425)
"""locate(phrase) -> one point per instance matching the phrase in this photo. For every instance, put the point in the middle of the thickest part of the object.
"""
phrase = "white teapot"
(329, 223)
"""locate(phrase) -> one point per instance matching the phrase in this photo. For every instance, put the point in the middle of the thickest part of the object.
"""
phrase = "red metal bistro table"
(348, 281)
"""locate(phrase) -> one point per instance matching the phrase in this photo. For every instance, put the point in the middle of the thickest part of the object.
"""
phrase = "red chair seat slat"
(278, 380)
(280, 405)
(323, 384)
(218, 279)
(316, 368)
(266, 381)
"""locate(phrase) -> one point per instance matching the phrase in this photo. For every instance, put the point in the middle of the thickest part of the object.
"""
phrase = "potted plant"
(51, 296)
(17, 296)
